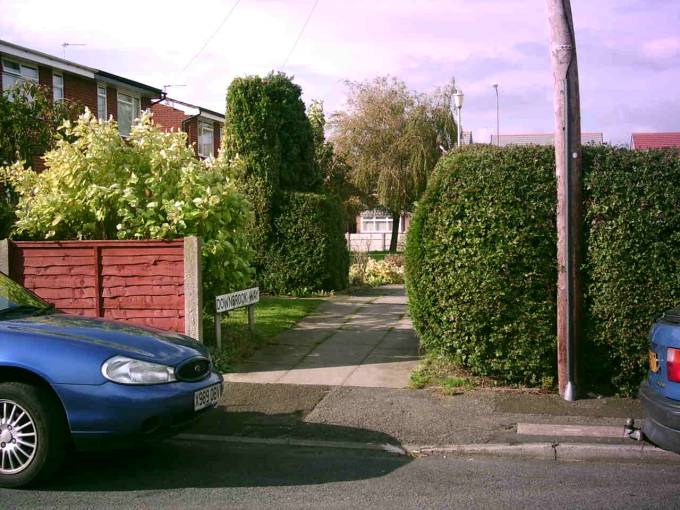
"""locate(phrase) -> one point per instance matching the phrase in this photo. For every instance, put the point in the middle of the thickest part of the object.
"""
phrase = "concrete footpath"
(362, 340)
(340, 378)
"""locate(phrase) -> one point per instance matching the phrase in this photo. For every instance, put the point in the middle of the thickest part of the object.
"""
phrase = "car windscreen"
(13, 297)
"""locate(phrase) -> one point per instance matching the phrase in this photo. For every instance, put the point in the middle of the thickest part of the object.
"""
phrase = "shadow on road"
(176, 463)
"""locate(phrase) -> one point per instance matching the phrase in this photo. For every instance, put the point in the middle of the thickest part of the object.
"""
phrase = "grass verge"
(446, 377)
(273, 315)
(443, 376)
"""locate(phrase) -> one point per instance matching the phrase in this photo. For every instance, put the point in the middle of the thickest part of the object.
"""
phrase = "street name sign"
(238, 299)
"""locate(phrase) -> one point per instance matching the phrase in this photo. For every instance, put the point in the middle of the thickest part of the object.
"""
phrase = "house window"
(376, 221)
(57, 86)
(14, 72)
(101, 102)
(206, 142)
(128, 110)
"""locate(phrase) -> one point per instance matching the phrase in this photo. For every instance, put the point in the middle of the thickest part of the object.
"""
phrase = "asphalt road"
(183, 474)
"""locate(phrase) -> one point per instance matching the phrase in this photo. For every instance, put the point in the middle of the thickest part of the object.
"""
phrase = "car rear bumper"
(115, 414)
(662, 418)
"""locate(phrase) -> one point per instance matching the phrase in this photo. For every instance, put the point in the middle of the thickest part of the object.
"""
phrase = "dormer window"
(129, 109)
(57, 86)
(14, 72)
(101, 101)
(206, 140)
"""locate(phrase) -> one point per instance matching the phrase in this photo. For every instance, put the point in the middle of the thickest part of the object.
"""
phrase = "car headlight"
(133, 371)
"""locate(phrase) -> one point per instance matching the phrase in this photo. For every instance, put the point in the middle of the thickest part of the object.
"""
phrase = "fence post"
(4, 256)
(98, 281)
(193, 292)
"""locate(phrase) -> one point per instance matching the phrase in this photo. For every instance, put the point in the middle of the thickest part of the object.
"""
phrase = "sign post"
(238, 299)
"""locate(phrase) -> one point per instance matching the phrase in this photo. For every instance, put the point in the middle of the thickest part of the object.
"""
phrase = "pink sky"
(628, 50)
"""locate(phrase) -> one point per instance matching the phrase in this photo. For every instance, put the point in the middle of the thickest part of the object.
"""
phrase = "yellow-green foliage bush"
(98, 185)
(376, 272)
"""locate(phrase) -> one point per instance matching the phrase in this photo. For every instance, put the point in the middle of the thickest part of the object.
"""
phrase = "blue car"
(76, 381)
(660, 392)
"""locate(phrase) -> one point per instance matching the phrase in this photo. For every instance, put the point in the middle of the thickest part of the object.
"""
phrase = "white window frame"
(102, 94)
(377, 222)
(205, 127)
(55, 88)
(17, 76)
(136, 104)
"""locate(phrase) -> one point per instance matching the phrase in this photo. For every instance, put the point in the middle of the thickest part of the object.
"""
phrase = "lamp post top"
(458, 98)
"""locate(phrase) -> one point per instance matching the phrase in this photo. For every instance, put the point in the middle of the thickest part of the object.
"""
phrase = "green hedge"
(481, 261)
(307, 252)
(633, 257)
(269, 143)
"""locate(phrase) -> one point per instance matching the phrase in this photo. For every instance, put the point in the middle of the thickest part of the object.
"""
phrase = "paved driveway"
(360, 340)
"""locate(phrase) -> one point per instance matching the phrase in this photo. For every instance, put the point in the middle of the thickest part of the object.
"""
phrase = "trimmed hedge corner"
(481, 261)
(633, 257)
(307, 252)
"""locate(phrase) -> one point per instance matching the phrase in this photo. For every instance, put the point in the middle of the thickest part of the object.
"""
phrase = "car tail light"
(673, 364)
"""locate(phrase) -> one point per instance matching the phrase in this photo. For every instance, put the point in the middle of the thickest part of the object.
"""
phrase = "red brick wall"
(111, 103)
(217, 138)
(45, 78)
(191, 128)
(141, 282)
(83, 90)
(167, 117)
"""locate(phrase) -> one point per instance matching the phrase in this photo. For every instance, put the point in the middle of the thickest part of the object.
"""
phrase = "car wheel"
(33, 434)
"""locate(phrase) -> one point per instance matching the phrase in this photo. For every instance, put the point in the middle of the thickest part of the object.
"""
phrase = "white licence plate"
(207, 396)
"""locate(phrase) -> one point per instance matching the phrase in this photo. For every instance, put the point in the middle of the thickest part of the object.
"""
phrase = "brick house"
(105, 94)
(202, 126)
(641, 141)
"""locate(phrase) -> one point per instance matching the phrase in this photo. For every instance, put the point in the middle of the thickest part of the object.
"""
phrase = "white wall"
(374, 241)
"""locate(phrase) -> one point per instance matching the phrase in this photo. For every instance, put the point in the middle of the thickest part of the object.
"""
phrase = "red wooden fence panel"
(141, 282)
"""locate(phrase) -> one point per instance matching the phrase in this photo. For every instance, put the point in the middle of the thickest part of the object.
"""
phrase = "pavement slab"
(365, 340)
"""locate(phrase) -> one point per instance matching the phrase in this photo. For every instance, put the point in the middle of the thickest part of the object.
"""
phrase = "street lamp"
(458, 103)
(498, 122)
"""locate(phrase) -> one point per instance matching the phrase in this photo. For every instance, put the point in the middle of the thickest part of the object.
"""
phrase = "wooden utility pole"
(569, 194)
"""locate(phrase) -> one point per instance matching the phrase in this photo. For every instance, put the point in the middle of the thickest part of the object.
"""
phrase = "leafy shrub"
(29, 120)
(308, 251)
(376, 272)
(480, 262)
(633, 256)
(100, 186)
(269, 140)
(396, 259)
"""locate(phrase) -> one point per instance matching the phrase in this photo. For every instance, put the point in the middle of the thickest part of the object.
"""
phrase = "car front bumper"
(662, 418)
(113, 413)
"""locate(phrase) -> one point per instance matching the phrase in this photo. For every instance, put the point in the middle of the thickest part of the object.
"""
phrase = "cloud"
(629, 51)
